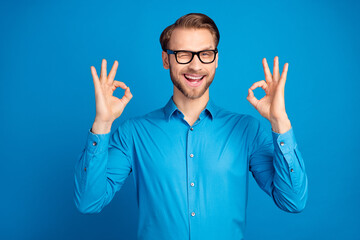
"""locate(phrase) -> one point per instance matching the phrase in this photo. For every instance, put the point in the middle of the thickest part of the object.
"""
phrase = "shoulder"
(241, 124)
(238, 118)
(153, 116)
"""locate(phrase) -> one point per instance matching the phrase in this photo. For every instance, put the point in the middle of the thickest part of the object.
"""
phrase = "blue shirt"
(191, 181)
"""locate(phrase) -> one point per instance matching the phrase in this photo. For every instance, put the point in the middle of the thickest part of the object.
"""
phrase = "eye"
(183, 54)
(207, 54)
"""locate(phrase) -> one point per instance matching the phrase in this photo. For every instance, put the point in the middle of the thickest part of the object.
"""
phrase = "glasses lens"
(184, 57)
(207, 56)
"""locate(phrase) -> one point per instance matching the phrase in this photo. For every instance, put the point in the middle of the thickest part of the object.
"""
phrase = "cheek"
(212, 70)
(177, 70)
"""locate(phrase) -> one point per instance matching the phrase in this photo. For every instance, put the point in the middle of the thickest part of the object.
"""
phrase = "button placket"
(191, 173)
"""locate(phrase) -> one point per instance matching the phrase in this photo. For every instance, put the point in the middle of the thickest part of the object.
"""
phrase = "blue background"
(48, 105)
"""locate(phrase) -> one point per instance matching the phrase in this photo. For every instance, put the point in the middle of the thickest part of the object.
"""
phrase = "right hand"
(108, 107)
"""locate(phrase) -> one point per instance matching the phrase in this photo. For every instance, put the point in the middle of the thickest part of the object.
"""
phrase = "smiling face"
(191, 80)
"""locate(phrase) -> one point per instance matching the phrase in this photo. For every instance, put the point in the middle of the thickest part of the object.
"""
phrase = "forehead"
(191, 39)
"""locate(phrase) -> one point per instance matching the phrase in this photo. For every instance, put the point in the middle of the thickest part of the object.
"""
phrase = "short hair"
(191, 20)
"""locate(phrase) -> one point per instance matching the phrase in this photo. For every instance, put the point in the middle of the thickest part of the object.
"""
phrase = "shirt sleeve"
(102, 168)
(278, 168)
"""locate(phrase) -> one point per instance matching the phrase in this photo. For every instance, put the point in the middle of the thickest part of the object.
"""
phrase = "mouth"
(194, 80)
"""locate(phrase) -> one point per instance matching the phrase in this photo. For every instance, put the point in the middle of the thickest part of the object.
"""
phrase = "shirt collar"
(170, 108)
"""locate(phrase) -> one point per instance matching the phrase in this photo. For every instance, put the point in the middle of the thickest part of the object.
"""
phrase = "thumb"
(251, 98)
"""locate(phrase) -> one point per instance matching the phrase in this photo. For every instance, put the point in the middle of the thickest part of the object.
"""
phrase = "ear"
(165, 59)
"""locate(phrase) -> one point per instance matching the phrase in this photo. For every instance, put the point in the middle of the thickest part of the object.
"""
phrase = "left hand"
(272, 105)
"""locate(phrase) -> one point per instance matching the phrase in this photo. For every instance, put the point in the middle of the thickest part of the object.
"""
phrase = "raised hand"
(272, 105)
(108, 107)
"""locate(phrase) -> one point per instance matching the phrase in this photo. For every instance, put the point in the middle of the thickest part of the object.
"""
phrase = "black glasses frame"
(193, 53)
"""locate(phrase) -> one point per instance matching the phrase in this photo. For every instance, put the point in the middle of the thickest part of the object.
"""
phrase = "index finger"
(113, 70)
(267, 72)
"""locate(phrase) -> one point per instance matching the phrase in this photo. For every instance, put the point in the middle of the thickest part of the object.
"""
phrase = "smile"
(193, 77)
(194, 80)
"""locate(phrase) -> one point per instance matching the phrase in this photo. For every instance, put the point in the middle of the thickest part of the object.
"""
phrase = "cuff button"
(282, 143)
(94, 143)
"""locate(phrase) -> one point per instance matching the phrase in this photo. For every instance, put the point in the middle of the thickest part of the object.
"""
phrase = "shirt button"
(192, 184)
(282, 143)
(192, 214)
(191, 155)
(94, 143)
(291, 170)
(85, 169)
(191, 129)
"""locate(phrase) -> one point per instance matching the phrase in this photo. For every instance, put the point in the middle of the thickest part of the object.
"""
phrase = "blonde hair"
(191, 20)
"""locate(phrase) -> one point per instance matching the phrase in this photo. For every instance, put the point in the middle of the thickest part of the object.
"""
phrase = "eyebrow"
(203, 49)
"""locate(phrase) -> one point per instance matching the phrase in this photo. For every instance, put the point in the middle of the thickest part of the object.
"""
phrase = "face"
(192, 80)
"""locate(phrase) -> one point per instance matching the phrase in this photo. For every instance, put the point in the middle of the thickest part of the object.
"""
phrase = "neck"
(191, 108)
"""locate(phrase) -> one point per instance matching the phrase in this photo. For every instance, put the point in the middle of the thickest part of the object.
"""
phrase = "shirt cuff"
(97, 143)
(285, 142)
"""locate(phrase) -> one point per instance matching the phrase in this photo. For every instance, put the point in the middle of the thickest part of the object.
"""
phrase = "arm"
(102, 169)
(276, 162)
(278, 168)
(105, 162)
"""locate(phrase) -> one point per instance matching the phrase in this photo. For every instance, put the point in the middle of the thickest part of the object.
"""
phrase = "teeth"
(192, 77)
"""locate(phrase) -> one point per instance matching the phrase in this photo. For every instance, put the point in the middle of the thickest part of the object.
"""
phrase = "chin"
(188, 92)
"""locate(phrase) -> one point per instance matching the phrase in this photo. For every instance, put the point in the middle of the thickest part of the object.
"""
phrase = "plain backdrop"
(47, 105)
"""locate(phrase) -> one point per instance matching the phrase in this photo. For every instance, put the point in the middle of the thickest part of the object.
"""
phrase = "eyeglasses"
(184, 57)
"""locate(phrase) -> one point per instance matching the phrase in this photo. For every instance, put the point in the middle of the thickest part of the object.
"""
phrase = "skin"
(190, 100)
(108, 107)
(272, 105)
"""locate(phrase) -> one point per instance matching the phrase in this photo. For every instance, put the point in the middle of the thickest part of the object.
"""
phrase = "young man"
(191, 159)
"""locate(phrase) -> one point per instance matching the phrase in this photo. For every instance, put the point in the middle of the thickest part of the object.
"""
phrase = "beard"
(191, 93)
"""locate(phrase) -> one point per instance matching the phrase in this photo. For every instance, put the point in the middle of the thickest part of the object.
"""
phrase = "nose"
(195, 64)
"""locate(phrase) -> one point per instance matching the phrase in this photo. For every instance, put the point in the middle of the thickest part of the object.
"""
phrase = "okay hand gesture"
(272, 105)
(108, 107)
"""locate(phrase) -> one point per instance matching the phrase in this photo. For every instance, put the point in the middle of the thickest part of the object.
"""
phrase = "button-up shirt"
(191, 181)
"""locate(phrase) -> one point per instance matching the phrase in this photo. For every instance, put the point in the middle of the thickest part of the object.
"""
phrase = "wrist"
(100, 127)
(281, 125)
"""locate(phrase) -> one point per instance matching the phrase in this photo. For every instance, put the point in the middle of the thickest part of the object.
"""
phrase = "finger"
(276, 69)
(103, 73)
(127, 96)
(251, 98)
(95, 77)
(117, 84)
(268, 75)
(113, 71)
(261, 84)
(284, 74)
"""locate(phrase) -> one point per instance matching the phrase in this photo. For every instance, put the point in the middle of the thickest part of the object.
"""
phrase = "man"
(190, 159)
